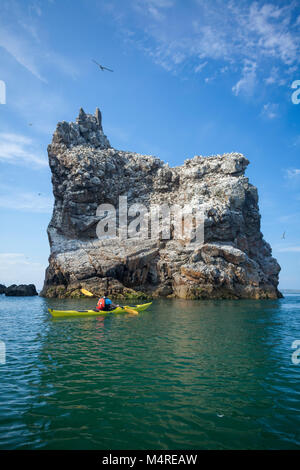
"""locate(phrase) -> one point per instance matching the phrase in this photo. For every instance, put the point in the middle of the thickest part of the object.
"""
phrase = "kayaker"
(104, 303)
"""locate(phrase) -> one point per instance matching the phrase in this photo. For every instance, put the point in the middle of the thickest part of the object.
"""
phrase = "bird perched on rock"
(102, 66)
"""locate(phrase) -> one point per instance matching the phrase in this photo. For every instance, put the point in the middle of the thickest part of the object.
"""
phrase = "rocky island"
(22, 290)
(232, 262)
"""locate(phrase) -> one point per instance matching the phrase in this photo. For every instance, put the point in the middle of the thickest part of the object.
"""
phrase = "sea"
(213, 374)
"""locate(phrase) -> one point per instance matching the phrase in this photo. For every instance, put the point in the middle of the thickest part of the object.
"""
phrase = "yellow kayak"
(87, 313)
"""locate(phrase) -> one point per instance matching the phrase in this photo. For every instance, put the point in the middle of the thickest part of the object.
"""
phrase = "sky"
(191, 77)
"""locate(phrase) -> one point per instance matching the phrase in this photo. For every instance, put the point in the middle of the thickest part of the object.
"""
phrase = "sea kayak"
(87, 313)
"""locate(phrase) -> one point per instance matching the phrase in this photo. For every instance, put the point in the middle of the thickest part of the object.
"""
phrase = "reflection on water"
(183, 374)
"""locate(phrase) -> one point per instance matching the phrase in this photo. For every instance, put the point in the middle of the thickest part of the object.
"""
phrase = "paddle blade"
(130, 310)
(86, 292)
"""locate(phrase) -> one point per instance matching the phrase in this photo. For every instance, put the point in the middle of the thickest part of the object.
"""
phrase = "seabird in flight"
(102, 66)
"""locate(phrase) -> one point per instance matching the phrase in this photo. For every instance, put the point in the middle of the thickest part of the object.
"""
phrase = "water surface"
(189, 375)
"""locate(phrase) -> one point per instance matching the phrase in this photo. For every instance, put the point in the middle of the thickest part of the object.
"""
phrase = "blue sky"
(191, 77)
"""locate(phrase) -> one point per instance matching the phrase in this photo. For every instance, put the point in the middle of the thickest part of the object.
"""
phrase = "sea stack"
(232, 262)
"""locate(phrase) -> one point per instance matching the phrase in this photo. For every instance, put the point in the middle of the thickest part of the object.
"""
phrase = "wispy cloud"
(249, 38)
(271, 26)
(155, 8)
(270, 110)
(275, 77)
(247, 82)
(21, 36)
(292, 173)
(199, 67)
(19, 48)
(19, 149)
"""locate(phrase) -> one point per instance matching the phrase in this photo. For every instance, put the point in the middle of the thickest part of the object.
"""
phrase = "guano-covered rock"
(233, 261)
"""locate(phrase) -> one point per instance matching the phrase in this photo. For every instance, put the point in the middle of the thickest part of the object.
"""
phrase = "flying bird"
(283, 236)
(102, 66)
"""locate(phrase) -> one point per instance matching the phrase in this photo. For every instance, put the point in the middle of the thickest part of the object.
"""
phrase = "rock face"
(233, 260)
(22, 290)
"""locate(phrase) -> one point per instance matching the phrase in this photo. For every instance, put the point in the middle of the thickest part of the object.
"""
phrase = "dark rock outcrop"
(2, 289)
(22, 290)
(233, 261)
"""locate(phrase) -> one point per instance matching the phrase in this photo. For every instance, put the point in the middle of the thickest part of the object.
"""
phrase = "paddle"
(127, 309)
(86, 292)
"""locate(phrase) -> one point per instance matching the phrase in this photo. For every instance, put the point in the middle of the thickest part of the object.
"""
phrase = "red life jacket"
(101, 304)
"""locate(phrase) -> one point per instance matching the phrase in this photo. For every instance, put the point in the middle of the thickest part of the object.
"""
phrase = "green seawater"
(181, 375)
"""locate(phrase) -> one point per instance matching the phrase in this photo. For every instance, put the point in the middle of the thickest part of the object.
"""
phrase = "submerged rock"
(23, 290)
(233, 260)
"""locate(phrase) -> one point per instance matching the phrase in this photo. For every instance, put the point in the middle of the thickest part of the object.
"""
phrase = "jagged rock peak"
(87, 130)
(98, 116)
(81, 115)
